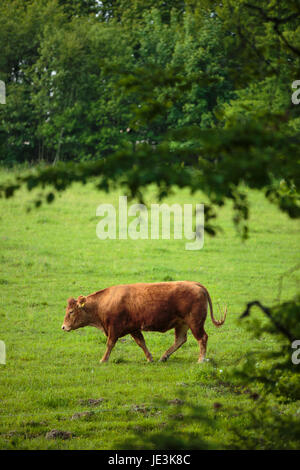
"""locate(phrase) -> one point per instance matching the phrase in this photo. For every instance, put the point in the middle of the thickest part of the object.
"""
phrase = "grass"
(52, 253)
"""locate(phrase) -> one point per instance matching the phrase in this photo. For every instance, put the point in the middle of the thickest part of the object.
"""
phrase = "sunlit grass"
(52, 253)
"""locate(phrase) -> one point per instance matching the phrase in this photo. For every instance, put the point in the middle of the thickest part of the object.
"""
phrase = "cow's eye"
(70, 312)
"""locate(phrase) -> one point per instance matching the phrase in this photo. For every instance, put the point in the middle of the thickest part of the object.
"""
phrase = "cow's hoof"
(163, 359)
(200, 361)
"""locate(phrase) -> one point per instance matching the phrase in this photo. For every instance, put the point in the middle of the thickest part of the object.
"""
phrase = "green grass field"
(52, 253)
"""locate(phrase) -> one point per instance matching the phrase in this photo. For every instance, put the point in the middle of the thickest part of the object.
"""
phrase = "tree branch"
(277, 22)
(267, 311)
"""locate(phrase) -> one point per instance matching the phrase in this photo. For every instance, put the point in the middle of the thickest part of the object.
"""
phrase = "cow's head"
(76, 314)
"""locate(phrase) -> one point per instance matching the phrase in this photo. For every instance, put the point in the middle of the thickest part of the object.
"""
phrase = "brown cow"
(133, 308)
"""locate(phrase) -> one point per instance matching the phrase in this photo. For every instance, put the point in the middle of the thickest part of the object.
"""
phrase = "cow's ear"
(81, 301)
(71, 302)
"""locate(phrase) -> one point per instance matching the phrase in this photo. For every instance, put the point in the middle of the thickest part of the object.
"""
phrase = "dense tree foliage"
(62, 76)
(208, 89)
(189, 93)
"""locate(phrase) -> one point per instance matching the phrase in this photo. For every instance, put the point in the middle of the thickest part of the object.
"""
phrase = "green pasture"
(52, 253)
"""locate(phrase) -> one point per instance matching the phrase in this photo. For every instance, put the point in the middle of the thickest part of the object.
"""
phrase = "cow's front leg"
(139, 339)
(111, 341)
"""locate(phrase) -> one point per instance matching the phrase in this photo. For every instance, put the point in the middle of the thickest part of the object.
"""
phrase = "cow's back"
(149, 306)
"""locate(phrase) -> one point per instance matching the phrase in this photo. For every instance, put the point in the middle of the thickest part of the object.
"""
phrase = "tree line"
(190, 93)
(62, 63)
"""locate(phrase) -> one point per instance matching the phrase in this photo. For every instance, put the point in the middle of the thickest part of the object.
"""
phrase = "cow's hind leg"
(202, 345)
(111, 341)
(196, 322)
(180, 339)
(139, 339)
(201, 336)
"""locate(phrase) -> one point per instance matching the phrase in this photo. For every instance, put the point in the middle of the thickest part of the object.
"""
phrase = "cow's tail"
(217, 323)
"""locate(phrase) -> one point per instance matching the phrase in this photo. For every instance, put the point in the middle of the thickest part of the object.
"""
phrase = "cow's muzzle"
(65, 328)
